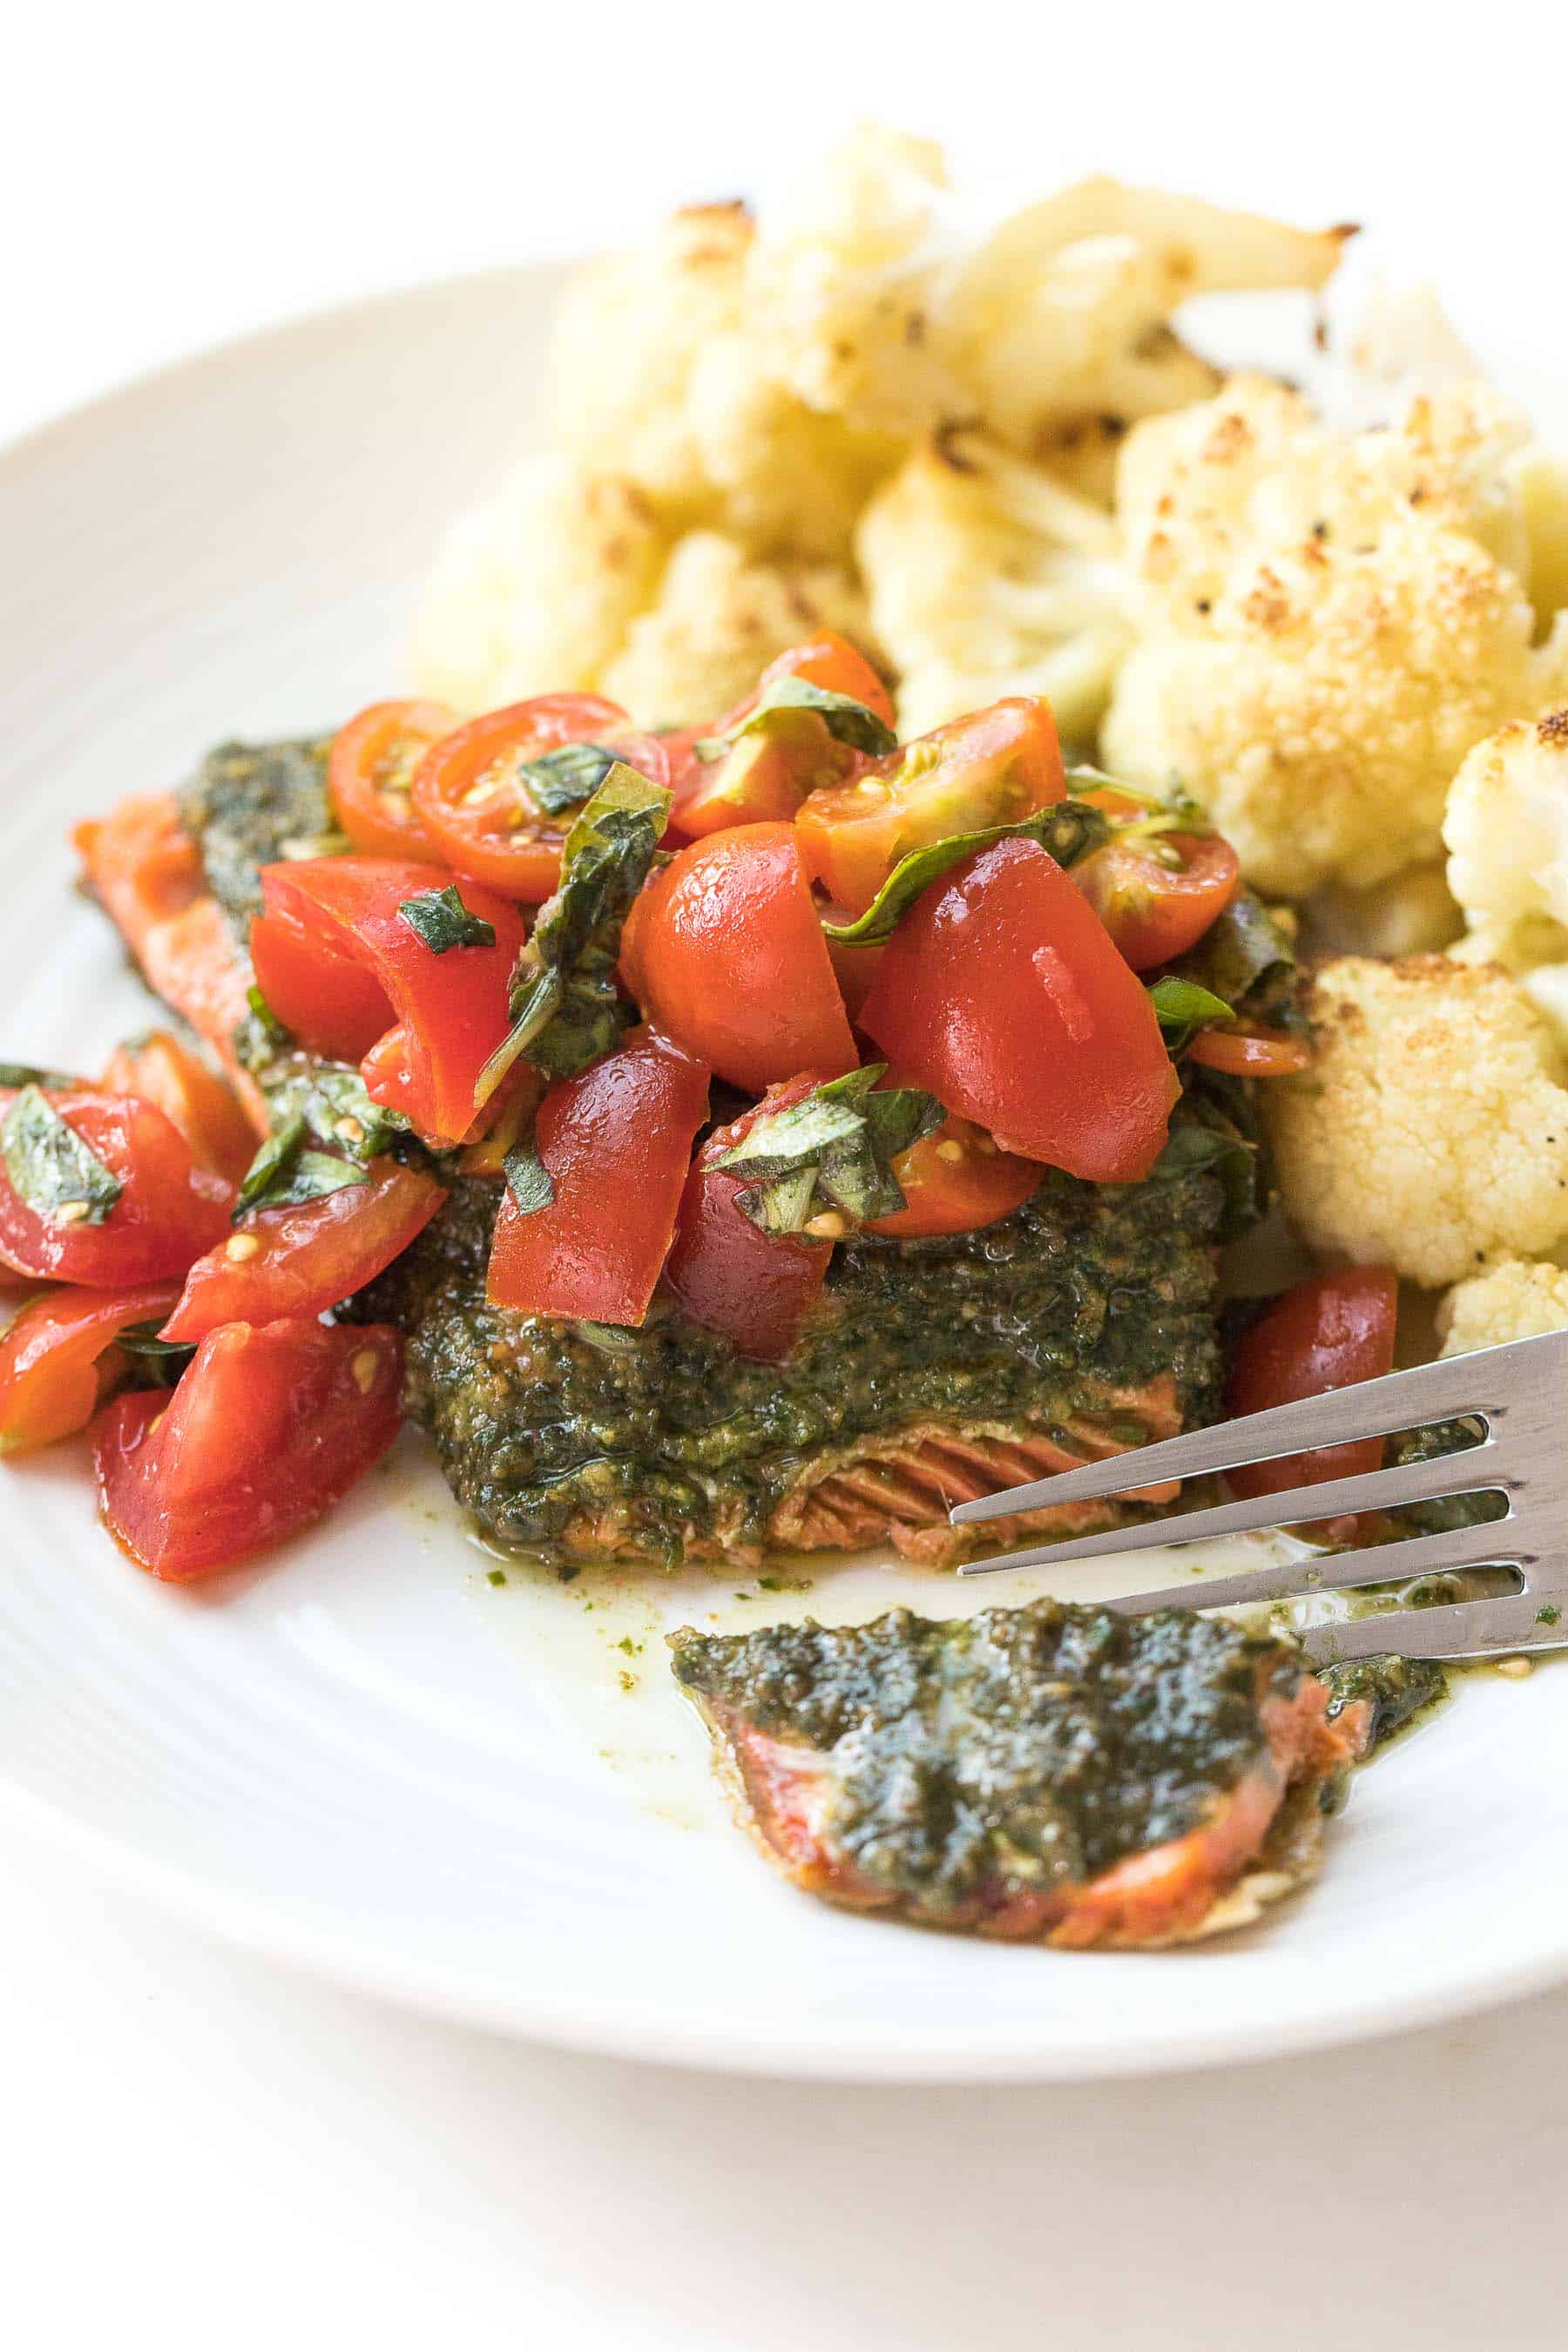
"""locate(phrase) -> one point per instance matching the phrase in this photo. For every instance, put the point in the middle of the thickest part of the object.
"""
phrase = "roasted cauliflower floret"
(1507, 830)
(535, 589)
(1431, 1132)
(1511, 1300)
(841, 284)
(986, 577)
(779, 475)
(719, 616)
(1327, 625)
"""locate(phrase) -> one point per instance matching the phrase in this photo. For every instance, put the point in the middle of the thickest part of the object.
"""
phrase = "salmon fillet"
(1048, 1774)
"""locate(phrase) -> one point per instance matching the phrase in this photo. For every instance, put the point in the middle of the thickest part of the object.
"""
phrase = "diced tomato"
(1157, 894)
(468, 795)
(1002, 993)
(724, 952)
(766, 777)
(995, 767)
(955, 1180)
(302, 1260)
(617, 1144)
(853, 968)
(207, 1112)
(826, 660)
(1324, 1334)
(1251, 1052)
(370, 772)
(756, 1289)
(58, 1360)
(169, 1211)
(271, 1424)
(328, 917)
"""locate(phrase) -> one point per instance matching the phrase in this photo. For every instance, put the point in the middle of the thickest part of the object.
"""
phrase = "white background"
(195, 2149)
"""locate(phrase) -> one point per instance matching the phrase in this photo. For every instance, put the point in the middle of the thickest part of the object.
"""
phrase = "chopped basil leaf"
(440, 918)
(566, 1010)
(846, 720)
(528, 1180)
(1213, 1129)
(836, 1147)
(1173, 804)
(1182, 1005)
(52, 1171)
(155, 1363)
(563, 778)
(338, 1109)
(271, 1028)
(1068, 829)
(1246, 956)
(286, 1173)
(27, 1074)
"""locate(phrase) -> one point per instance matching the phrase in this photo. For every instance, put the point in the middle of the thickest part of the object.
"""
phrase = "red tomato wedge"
(1251, 1052)
(302, 1260)
(617, 1144)
(58, 1360)
(1324, 1334)
(724, 952)
(440, 1017)
(995, 767)
(1157, 894)
(476, 807)
(371, 771)
(271, 1424)
(955, 1180)
(169, 1211)
(765, 777)
(207, 1111)
(1002, 993)
(755, 1290)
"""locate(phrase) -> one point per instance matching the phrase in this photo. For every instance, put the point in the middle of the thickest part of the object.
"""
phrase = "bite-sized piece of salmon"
(1048, 1774)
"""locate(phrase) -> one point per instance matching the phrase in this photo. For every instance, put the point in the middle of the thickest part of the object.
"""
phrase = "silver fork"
(1517, 1392)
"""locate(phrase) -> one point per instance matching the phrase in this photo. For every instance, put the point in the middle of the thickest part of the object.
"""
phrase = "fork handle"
(1456, 1629)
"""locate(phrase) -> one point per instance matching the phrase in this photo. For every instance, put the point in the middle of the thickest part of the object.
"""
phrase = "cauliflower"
(1414, 914)
(718, 618)
(1507, 830)
(841, 284)
(1062, 318)
(1431, 1133)
(985, 577)
(1511, 1300)
(490, 631)
(782, 478)
(1327, 623)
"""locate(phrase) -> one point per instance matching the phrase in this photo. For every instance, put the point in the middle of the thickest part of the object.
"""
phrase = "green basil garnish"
(440, 918)
(566, 1010)
(1068, 829)
(285, 1172)
(1182, 1005)
(27, 1074)
(835, 1148)
(267, 1021)
(1246, 957)
(846, 720)
(528, 1180)
(157, 1363)
(563, 778)
(57, 1176)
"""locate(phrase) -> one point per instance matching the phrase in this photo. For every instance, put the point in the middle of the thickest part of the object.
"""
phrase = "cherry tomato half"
(1001, 991)
(302, 1260)
(371, 771)
(207, 1112)
(472, 802)
(993, 768)
(336, 960)
(617, 1144)
(1324, 1334)
(58, 1362)
(1251, 1052)
(766, 776)
(270, 1424)
(1157, 894)
(955, 1180)
(168, 1211)
(724, 952)
(754, 1288)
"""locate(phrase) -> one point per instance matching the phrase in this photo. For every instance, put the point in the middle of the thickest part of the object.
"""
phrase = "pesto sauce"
(669, 1434)
(249, 805)
(1034, 1746)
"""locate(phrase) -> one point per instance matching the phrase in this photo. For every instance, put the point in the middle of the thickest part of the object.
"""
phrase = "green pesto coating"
(1398, 1688)
(251, 803)
(1023, 1749)
(1021, 1324)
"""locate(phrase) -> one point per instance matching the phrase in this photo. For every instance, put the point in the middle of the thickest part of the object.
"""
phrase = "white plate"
(359, 1757)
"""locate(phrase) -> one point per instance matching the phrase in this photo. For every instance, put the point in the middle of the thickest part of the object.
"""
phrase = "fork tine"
(1293, 1580)
(1457, 1385)
(1474, 1471)
(1456, 1628)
